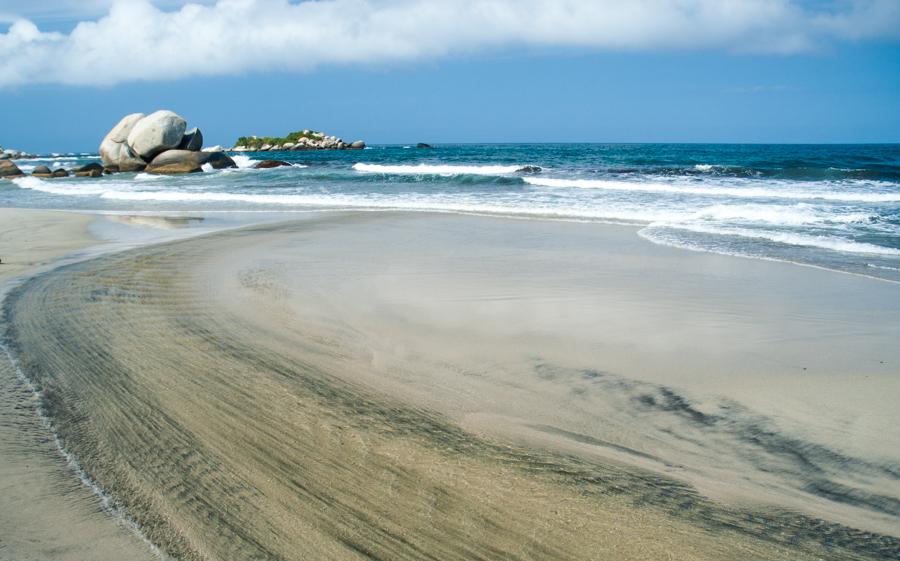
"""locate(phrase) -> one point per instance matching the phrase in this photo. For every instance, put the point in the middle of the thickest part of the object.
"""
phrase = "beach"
(395, 385)
(46, 511)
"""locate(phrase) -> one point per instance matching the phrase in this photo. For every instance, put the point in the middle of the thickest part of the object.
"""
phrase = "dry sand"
(46, 512)
(388, 386)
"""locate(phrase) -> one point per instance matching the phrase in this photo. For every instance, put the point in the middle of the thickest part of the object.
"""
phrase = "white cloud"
(137, 40)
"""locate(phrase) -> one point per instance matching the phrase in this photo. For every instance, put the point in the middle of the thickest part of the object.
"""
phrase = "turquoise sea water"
(835, 206)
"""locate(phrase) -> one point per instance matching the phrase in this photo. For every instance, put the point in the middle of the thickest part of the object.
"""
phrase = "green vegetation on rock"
(258, 141)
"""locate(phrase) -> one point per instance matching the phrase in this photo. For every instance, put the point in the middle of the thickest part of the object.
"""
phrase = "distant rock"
(215, 148)
(423, 145)
(192, 140)
(12, 154)
(298, 140)
(60, 172)
(188, 161)
(42, 171)
(89, 170)
(157, 132)
(266, 164)
(8, 170)
(530, 169)
(357, 145)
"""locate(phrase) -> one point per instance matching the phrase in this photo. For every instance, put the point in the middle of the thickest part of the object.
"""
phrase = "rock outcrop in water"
(188, 161)
(298, 140)
(8, 170)
(158, 143)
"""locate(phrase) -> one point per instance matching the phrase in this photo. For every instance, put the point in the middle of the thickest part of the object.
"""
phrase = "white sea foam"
(207, 167)
(242, 161)
(407, 202)
(813, 193)
(793, 215)
(445, 169)
(789, 238)
(704, 167)
(882, 267)
(58, 187)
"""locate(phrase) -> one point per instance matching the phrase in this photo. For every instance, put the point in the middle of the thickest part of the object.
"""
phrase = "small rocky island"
(299, 140)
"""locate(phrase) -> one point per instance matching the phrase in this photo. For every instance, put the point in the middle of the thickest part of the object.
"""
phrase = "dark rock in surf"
(59, 172)
(266, 164)
(423, 145)
(530, 169)
(192, 140)
(187, 161)
(89, 170)
(9, 170)
(42, 171)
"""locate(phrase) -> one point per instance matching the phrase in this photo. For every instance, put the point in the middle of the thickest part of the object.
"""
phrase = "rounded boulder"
(157, 132)
(188, 161)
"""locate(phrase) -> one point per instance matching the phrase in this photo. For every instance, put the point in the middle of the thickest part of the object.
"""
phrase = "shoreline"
(50, 511)
(266, 284)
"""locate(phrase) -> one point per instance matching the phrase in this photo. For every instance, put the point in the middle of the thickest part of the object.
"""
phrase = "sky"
(402, 71)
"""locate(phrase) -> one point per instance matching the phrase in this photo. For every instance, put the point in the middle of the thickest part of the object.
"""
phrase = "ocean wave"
(716, 191)
(58, 187)
(243, 162)
(407, 202)
(831, 243)
(795, 215)
(445, 169)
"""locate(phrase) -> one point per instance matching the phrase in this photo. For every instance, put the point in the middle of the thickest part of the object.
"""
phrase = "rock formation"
(158, 143)
(188, 161)
(156, 133)
(192, 140)
(114, 149)
(299, 140)
(89, 170)
(8, 170)
(266, 164)
(42, 171)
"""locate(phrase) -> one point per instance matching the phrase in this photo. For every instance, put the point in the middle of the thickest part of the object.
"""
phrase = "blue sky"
(771, 82)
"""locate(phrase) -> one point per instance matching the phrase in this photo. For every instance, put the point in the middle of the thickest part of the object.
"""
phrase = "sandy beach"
(46, 511)
(412, 386)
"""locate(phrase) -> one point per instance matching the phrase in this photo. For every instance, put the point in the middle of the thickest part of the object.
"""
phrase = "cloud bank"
(137, 40)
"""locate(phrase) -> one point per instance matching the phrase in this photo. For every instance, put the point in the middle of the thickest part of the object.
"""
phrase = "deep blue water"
(836, 206)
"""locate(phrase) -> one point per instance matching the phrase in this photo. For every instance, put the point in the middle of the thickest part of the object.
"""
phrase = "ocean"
(832, 206)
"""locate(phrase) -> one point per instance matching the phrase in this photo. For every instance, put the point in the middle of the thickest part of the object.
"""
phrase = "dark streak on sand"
(223, 446)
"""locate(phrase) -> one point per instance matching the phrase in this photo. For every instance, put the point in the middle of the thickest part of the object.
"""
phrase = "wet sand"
(46, 512)
(394, 386)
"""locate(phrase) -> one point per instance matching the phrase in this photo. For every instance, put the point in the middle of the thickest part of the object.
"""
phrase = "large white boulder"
(156, 133)
(119, 156)
(113, 148)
